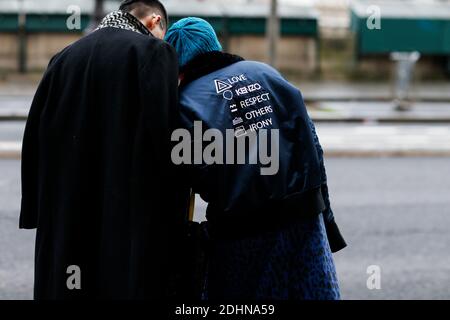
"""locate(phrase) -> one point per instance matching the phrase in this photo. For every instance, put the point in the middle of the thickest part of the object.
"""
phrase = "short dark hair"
(141, 8)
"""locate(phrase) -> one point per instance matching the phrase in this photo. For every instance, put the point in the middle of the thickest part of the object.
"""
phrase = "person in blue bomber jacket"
(272, 236)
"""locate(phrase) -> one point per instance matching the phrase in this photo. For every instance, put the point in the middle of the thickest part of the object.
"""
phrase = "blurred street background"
(375, 76)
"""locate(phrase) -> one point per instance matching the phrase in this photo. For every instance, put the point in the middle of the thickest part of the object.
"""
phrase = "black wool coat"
(96, 176)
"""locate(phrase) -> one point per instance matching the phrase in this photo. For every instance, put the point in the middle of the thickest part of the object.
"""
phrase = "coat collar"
(123, 20)
(207, 63)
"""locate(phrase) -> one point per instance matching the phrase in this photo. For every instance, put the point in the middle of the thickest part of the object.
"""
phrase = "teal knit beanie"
(191, 37)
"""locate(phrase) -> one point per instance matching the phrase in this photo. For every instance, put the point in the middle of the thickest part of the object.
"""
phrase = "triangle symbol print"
(222, 86)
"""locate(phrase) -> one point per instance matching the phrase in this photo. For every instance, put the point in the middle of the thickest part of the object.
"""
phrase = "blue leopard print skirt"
(295, 263)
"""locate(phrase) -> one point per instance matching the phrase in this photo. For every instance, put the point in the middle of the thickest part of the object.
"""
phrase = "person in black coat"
(96, 177)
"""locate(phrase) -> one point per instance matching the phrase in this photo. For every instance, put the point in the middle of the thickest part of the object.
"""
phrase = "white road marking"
(10, 146)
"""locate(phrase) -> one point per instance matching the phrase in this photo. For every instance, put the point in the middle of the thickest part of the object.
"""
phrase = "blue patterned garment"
(295, 263)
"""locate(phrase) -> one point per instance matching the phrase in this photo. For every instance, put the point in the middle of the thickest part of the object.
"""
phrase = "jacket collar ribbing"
(207, 63)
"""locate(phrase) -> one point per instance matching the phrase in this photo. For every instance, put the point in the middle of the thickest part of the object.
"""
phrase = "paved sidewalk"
(357, 127)
(16, 107)
(350, 140)
(344, 91)
(352, 111)
(384, 140)
(19, 85)
(312, 91)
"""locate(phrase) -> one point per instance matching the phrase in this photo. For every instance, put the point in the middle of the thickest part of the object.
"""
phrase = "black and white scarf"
(123, 20)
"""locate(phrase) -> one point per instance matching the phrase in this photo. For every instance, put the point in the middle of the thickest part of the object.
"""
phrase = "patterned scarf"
(123, 20)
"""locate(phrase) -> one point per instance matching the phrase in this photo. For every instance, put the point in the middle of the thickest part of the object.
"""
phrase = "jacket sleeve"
(30, 164)
(335, 238)
(29, 211)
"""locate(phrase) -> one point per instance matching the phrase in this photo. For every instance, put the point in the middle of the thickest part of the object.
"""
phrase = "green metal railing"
(427, 36)
(229, 25)
(224, 26)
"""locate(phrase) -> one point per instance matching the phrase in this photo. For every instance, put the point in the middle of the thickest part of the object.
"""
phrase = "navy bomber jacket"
(229, 94)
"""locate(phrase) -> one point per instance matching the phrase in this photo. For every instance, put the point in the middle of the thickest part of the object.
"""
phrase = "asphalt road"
(394, 213)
